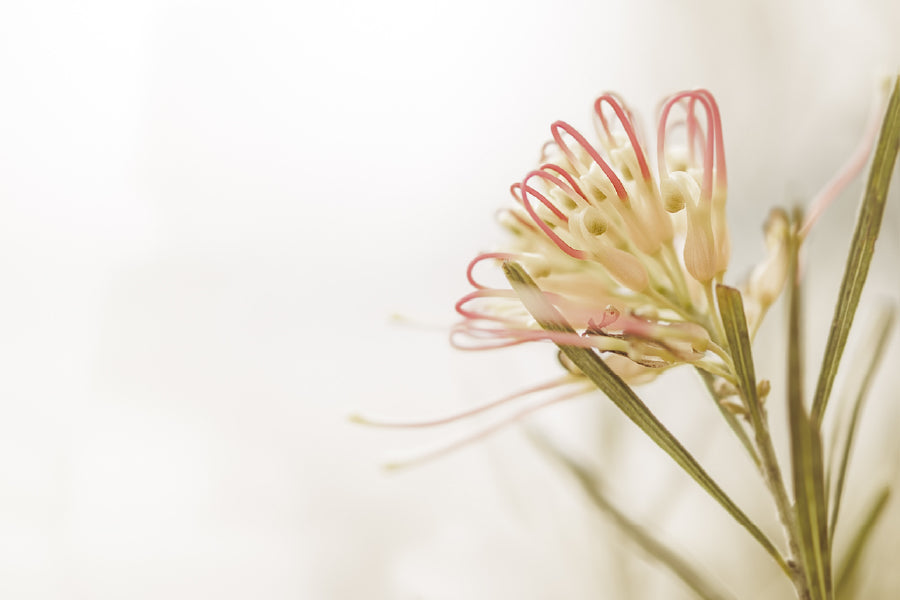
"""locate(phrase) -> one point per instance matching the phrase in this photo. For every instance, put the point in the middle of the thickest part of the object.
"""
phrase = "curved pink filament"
(484, 293)
(520, 220)
(516, 191)
(604, 124)
(526, 190)
(567, 305)
(475, 332)
(471, 412)
(592, 152)
(714, 120)
(486, 256)
(721, 168)
(487, 431)
(464, 329)
(566, 175)
(567, 189)
(544, 148)
(691, 125)
(625, 120)
(709, 152)
(560, 338)
(847, 172)
(689, 122)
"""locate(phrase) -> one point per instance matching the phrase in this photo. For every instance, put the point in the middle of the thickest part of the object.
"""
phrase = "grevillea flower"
(627, 247)
(627, 252)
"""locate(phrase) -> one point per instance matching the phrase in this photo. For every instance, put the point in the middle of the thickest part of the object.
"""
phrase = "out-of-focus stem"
(771, 472)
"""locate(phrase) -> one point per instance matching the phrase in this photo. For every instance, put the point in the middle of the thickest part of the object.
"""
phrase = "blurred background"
(211, 211)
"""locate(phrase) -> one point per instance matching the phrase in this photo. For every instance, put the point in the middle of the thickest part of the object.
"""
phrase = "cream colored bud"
(767, 279)
(680, 189)
(725, 389)
(594, 222)
(624, 268)
(562, 200)
(695, 334)
(722, 235)
(776, 228)
(699, 244)
(733, 407)
(587, 225)
(508, 221)
(625, 161)
(537, 265)
(673, 199)
(596, 178)
(677, 158)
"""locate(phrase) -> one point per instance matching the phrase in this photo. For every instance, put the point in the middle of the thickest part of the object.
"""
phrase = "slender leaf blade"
(868, 225)
(731, 309)
(848, 567)
(734, 322)
(882, 328)
(628, 402)
(808, 467)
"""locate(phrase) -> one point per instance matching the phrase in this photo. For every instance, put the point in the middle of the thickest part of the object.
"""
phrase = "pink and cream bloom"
(627, 247)
(626, 244)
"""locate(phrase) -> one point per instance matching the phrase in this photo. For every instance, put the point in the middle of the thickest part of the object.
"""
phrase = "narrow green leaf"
(734, 322)
(847, 570)
(627, 401)
(868, 225)
(644, 539)
(731, 309)
(806, 449)
(871, 356)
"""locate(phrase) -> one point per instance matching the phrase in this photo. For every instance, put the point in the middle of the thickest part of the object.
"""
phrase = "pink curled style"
(592, 152)
(526, 191)
(714, 152)
(625, 119)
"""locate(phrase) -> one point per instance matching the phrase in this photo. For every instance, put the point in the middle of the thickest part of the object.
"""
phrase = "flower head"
(622, 257)
(628, 256)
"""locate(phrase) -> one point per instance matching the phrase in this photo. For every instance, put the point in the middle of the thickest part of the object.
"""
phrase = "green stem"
(731, 309)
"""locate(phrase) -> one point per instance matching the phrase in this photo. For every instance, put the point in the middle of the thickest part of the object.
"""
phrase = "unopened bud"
(733, 407)
(624, 268)
(625, 161)
(562, 199)
(699, 244)
(537, 265)
(724, 389)
(767, 280)
(673, 199)
(596, 178)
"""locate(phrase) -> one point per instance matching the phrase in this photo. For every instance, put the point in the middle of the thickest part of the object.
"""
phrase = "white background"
(211, 209)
